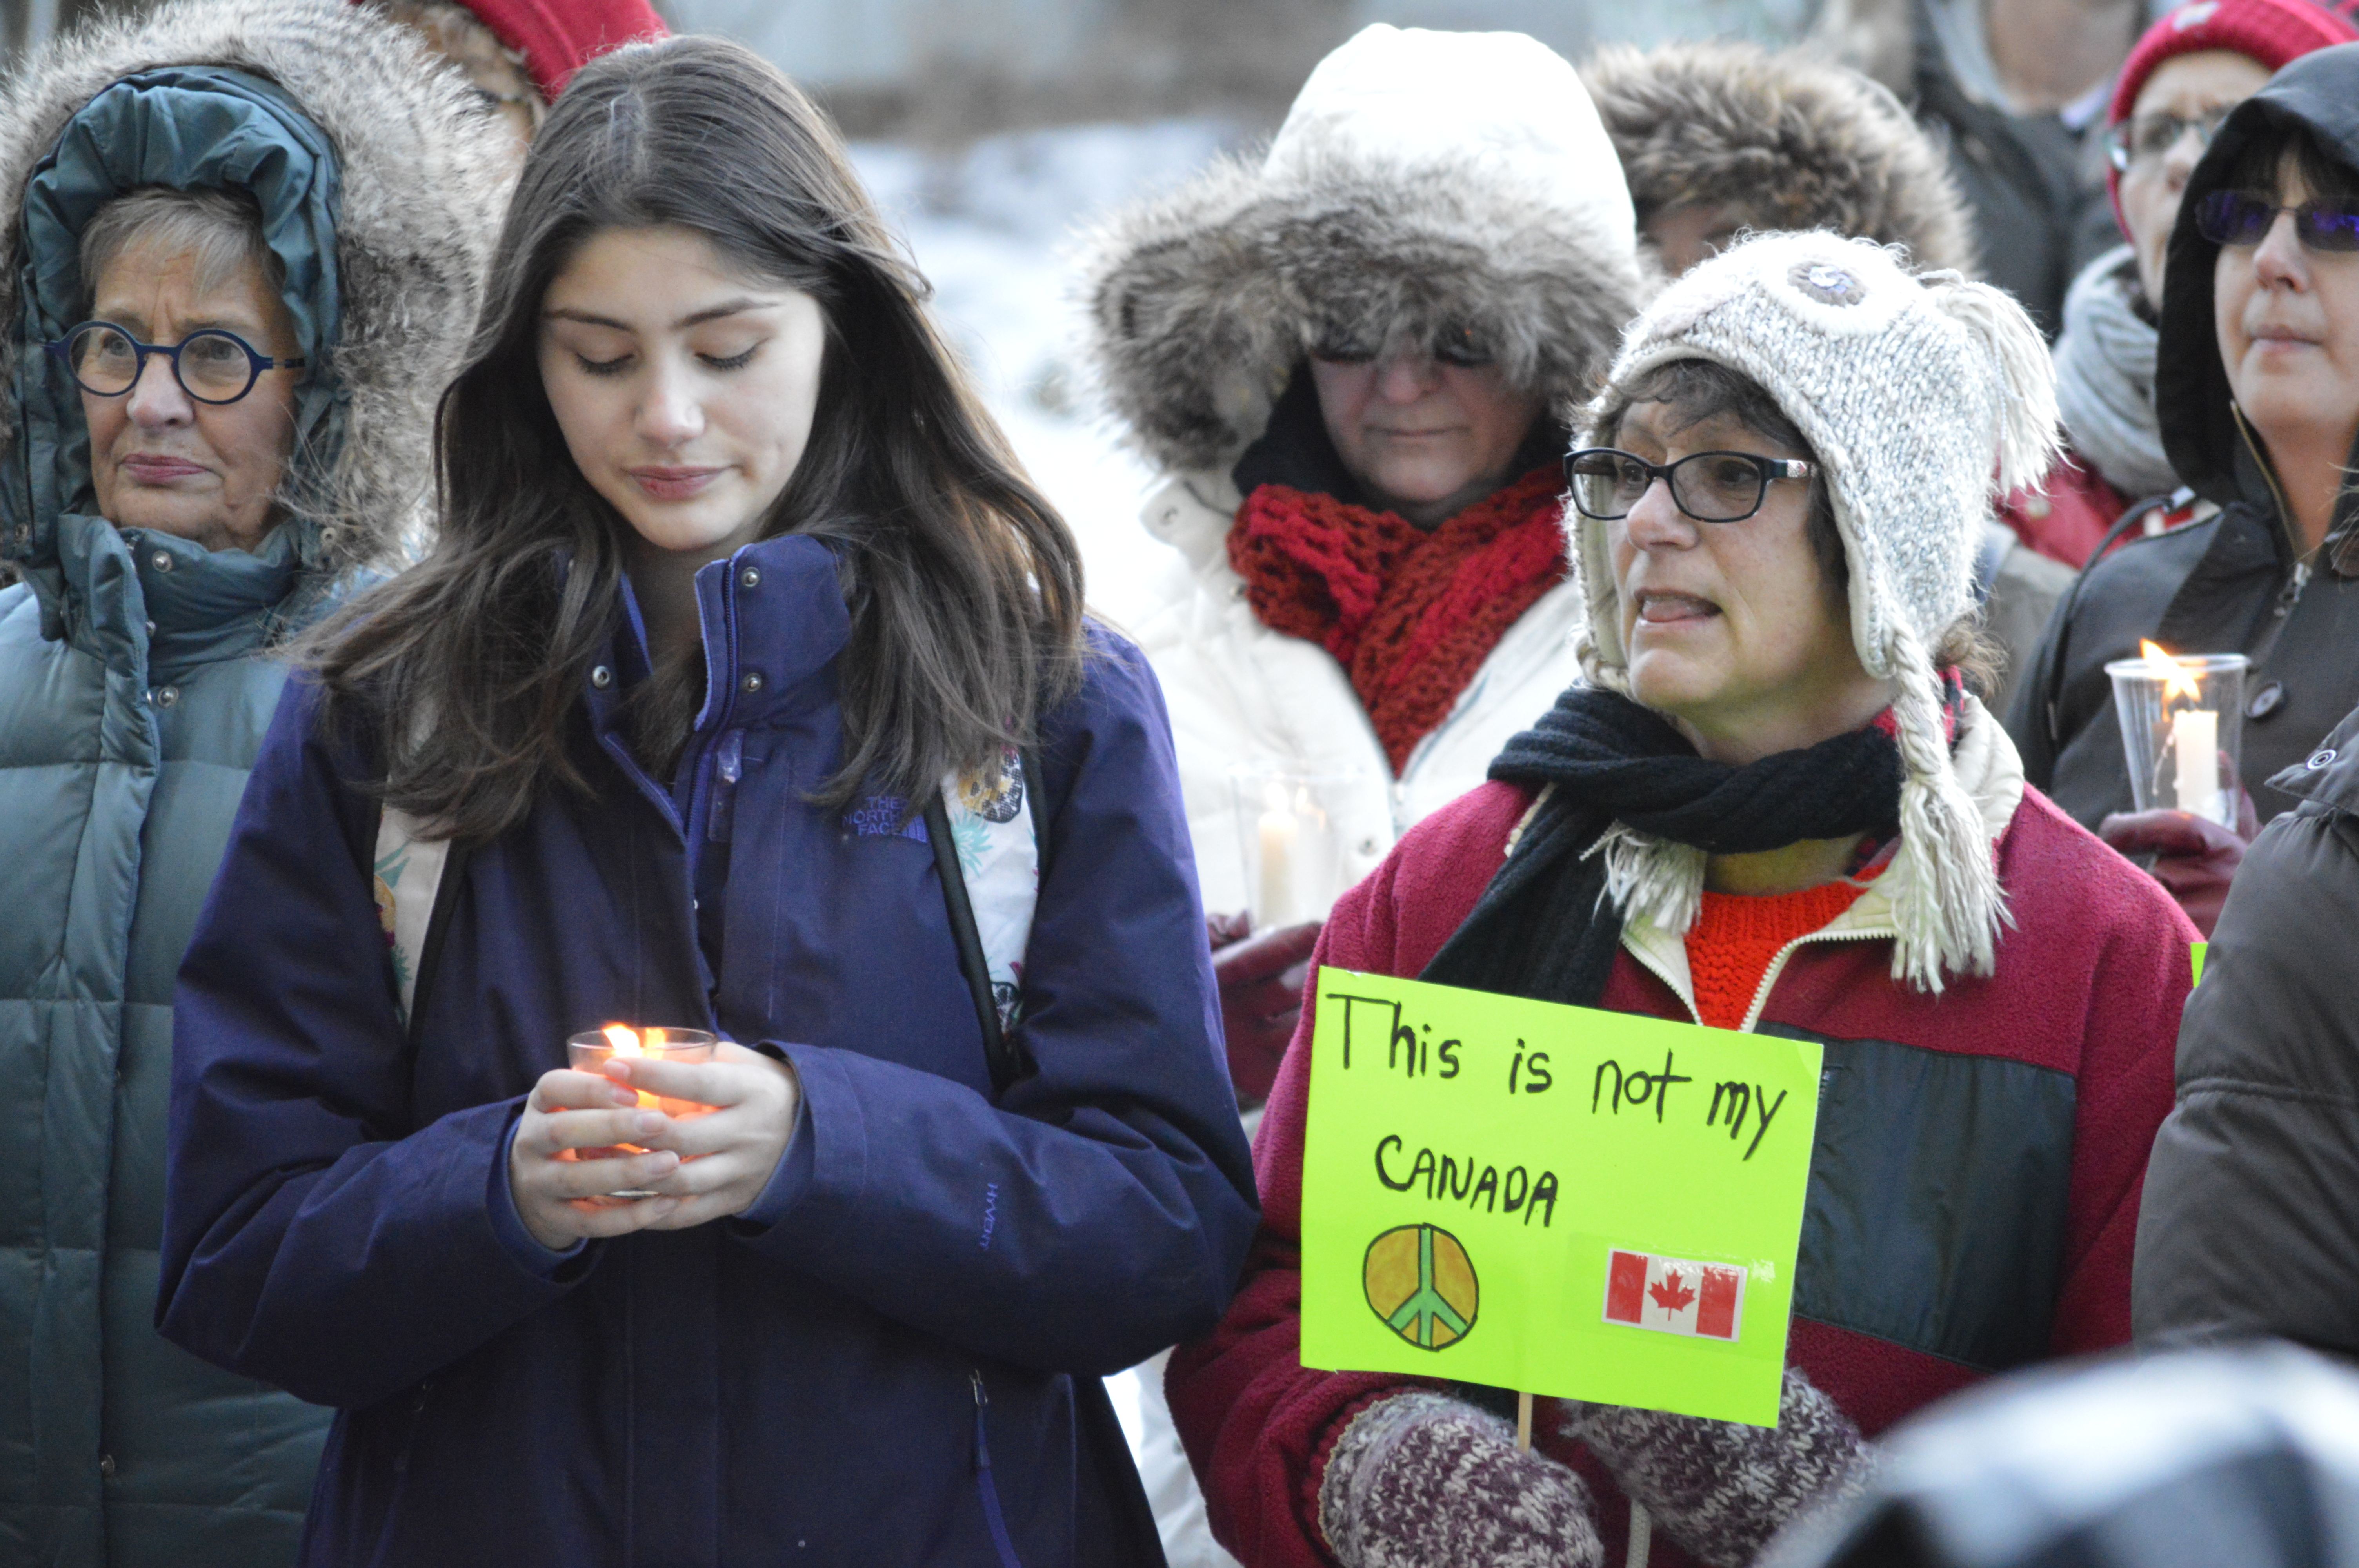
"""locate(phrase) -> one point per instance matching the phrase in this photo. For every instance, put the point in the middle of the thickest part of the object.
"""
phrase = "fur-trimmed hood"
(1426, 188)
(381, 185)
(1791, 141)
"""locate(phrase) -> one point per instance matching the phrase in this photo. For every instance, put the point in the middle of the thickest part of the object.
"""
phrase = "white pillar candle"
(2195, 738)
(1277, 833)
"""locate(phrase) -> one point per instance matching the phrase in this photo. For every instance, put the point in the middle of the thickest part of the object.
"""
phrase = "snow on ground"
(991, 225)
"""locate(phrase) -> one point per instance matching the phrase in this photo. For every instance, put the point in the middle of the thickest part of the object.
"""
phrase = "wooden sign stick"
(1523, 1420)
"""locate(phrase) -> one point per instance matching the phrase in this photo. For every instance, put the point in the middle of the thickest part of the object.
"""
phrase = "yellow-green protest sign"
(1552, 1199)
(2195, 951)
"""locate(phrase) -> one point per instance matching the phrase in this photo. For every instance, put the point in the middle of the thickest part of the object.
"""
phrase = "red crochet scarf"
(1410, 615)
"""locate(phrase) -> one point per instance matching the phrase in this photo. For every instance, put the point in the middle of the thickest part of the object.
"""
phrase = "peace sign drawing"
(1421, 1284)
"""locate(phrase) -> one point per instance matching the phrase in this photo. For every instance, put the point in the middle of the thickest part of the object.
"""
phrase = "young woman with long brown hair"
(748, 689)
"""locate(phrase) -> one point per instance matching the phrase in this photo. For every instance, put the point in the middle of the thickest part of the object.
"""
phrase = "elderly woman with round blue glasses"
(190, 435)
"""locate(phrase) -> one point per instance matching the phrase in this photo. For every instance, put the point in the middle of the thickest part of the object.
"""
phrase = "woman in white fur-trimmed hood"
(1354, 362)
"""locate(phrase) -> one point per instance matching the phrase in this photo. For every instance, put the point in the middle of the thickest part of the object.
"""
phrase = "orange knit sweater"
(1738, 935)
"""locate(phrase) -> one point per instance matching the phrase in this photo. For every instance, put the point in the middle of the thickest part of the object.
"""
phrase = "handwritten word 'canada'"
(1478, 1187)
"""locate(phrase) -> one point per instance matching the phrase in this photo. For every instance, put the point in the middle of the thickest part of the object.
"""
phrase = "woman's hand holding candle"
(727, 1154)
(561, 1198)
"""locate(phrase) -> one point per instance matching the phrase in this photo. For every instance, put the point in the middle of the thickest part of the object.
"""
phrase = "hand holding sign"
(1588, 1205)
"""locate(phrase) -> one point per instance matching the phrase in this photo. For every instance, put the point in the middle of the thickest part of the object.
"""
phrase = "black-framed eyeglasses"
(1710, 487)
(211, 365)
(2145, 139)
(2241, 218)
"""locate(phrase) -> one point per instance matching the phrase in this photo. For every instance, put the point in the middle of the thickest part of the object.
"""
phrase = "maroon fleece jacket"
(2090, 981)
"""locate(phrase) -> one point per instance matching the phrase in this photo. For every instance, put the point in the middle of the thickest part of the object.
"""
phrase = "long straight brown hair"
(963, 586)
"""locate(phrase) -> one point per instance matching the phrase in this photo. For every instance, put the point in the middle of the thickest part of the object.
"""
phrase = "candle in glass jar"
(626, 1041)
(2195, 741)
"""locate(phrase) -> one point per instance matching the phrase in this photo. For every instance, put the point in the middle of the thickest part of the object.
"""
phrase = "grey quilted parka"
(136, 677)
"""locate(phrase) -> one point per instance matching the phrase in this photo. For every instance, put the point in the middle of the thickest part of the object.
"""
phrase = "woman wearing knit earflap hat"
(1773, 803)
(1721, 138)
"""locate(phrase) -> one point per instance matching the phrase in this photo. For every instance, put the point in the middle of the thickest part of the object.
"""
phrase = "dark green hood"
(380, 186)
(187, 127)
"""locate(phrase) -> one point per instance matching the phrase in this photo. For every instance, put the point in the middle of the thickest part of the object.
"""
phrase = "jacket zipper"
(987, 1490)
(1769, 976)
(2284, 515)
(1777, 964)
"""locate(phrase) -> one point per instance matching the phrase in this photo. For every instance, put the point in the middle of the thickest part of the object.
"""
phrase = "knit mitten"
(1719, 1489)
(1422, 1480)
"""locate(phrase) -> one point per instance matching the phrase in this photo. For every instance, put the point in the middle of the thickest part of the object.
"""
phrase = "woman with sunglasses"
(2258, 388)
(2191, 67)
(1773, 803)
(2254, 1227)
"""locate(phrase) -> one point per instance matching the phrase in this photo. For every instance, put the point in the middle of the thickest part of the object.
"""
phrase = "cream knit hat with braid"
(1925, 397)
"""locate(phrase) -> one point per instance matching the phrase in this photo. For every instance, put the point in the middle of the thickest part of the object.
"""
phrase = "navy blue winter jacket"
(801, 1391)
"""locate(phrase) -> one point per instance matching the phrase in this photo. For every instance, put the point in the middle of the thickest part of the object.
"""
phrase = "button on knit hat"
(2271, 33)
(1925, 397)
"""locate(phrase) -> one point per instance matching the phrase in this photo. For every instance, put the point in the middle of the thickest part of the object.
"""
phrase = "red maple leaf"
(1672, 1294)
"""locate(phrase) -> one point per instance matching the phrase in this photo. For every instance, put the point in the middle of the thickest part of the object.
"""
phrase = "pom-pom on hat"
(1925, 397)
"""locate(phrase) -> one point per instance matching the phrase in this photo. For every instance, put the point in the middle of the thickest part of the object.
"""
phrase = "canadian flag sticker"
(1675, 1295)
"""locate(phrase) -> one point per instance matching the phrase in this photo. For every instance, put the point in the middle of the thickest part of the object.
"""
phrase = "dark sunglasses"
(2241, 218)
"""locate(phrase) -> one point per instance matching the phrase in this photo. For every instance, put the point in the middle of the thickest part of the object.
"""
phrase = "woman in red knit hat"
(2191, 67)
(519, 53)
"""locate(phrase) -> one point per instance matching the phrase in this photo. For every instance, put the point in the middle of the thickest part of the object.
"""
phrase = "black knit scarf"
(1544, 929)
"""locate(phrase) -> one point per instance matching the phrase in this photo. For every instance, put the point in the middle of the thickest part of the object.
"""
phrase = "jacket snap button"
(751, 683)
(1367, 846)
(2323, 756)
(161, 560)
(750, 578)
(602, 677)
(106, 1466)
(166, 696)
(2265, 701)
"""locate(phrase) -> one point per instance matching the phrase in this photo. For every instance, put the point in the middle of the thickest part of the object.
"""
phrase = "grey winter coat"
(136, 678)
(2250, 1223)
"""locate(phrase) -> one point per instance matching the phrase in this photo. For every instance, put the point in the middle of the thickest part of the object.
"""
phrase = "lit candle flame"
(2178, 680)
(625, 1038)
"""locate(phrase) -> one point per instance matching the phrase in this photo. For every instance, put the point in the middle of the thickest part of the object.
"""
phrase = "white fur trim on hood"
(1425, 183)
